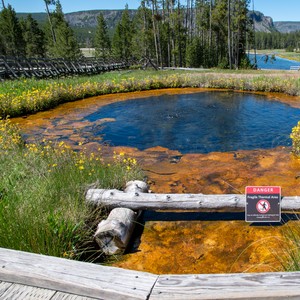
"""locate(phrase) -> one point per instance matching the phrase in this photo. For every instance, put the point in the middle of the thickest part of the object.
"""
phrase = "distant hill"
(85, 19)
(88, 20)
(287, 26)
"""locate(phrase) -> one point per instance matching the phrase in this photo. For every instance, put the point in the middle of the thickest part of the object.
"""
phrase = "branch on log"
(136, 186)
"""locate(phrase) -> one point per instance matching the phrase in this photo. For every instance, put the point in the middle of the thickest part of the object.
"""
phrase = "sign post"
(263, 204)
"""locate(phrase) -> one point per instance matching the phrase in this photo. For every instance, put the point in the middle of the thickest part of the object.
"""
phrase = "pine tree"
(241, 31)
(11, 33)
(33, 37)
(65, 45)
(117, 42)
(194, 53)
(102, 40)
(2, 48)
(122, 39)
(142, 41)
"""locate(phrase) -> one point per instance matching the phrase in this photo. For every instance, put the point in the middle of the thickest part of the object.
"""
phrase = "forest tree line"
(278, 40)
(173, 33)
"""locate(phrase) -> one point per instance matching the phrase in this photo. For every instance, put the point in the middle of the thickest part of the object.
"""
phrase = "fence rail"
(101, 282)
(12, 67)
(295, 68)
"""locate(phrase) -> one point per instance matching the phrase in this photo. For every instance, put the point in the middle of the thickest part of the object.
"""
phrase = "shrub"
(295, 136)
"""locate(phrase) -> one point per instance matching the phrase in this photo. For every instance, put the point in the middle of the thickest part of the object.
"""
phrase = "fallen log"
(113, 234)
(195, 202)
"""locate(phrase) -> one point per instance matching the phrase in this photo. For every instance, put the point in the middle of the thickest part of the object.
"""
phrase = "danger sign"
(263, 204)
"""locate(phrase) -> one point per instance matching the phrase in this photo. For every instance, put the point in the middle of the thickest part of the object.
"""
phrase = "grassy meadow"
(27, 96)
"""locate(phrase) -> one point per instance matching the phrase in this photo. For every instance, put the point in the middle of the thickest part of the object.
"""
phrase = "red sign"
(263, 190)
(263, 204)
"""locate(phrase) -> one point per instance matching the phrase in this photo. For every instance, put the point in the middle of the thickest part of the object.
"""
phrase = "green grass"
(289, 255)
(28, 96)
(42, 190)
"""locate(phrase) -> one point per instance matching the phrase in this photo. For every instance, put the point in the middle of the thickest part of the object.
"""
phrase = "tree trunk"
(229, 36)
(154, 33)
(179, 34)
(210, 24)
(173, 37)
(191, 19)
(146, 50)
(50, 22)
(3, 4)
(254, 40)
(158, 37)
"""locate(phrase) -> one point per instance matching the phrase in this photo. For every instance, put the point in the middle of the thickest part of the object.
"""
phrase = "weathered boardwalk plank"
(199, 202)
(83, 279)
(18, 292)
(12, 291)
(64, 296)
(4, 286)
(24, 292)
(228, 286)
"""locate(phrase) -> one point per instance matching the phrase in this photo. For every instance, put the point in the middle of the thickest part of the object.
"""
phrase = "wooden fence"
(16, 67)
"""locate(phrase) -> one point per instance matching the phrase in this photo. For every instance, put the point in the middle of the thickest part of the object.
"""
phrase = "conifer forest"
(171, 33)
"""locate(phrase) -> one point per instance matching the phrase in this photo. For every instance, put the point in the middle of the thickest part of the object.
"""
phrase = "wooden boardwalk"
(14, 291)
(32, 276)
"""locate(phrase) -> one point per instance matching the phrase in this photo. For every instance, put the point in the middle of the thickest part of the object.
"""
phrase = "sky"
(279, 10)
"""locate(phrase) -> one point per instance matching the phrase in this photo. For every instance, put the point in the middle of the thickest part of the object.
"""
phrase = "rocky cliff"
(262, 23)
